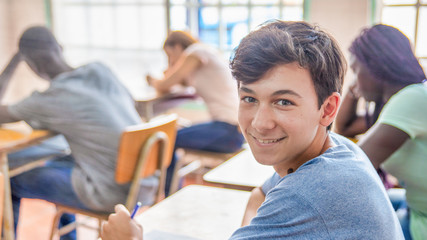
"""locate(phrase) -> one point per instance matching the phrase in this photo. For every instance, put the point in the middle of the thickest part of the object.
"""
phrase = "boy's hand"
(120, 226)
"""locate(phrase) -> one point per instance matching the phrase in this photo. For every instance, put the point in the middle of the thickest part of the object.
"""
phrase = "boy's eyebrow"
(286, 91)
(276, 93)
(245, 89)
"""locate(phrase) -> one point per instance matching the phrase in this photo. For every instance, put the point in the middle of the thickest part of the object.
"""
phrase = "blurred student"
(289, 76)
(383, 62)
(194, 64)
(386, 69)
(87, 105)
(388, 72)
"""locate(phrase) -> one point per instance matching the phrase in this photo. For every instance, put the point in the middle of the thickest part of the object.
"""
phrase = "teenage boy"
(290, 76)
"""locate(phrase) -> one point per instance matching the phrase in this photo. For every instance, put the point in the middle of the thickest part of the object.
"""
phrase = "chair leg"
(55, 224)
(60, 231)
(175, 175)
(99, 227)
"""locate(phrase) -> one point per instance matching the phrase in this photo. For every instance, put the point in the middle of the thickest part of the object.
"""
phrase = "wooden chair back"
(1, 200)
(144, 149)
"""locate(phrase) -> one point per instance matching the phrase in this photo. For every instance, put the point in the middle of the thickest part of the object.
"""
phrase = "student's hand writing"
(149, 79)
(155, 83)
(120, 226)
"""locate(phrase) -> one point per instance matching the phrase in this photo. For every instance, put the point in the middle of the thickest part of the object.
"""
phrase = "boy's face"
(280, 118)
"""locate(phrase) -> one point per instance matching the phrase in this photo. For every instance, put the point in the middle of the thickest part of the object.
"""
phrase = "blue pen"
(137, 206)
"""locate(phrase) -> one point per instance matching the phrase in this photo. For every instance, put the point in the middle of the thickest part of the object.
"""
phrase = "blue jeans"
(212, 136)
(51, 182)
(398, 200)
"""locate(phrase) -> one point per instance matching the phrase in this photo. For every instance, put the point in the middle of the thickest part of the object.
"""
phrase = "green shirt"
(407, 111)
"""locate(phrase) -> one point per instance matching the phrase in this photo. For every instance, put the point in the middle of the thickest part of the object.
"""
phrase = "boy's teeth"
(267, 141)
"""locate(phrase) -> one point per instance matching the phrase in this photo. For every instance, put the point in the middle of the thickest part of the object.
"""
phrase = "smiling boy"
(289, 76)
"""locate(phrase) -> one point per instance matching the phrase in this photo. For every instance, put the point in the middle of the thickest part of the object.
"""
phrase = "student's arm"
(7, 73)
(347, 122)
(5, 77)
(381, 141)
(120, 226)
(256, 199)
(176, 75)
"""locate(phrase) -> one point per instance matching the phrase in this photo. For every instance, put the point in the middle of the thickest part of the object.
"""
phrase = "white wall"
(343, 19)
(15, 17)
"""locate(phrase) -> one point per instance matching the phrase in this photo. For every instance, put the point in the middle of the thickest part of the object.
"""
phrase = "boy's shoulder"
(342, 173)
(331, 192)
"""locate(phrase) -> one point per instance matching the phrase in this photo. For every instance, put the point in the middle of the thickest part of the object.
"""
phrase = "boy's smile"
(280, 118)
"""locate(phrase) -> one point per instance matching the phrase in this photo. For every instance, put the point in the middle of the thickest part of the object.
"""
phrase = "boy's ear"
(330, 109)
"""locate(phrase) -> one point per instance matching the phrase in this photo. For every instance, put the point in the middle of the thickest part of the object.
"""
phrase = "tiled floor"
(37, 216)
(36, 221)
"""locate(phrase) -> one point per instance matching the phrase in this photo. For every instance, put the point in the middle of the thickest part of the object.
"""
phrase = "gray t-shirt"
(337, 195)
(91, 108)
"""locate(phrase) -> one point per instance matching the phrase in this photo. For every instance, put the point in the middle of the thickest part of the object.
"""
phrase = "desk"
(14, 137)
(240, 172)
(195, 212)
(145, 98)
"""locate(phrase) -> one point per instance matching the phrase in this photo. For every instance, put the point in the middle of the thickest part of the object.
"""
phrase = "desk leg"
(149, 111)
(145, 110)
(8, 233)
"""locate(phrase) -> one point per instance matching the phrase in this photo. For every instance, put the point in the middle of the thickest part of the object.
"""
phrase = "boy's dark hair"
(282, 42)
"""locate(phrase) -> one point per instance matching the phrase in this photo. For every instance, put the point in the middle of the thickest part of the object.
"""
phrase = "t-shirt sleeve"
(30, 110)
(199, 51)
(284, 214)
(270, 183)
(405, 110)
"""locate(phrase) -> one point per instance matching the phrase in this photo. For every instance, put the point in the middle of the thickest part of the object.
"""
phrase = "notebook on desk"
(160, 235)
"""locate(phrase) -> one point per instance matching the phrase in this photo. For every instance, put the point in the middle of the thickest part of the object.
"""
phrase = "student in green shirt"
(388, 72)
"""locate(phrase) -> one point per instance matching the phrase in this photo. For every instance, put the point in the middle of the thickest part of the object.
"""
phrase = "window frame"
(193, 6)
(418, 5)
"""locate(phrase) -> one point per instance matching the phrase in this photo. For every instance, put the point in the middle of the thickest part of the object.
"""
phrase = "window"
(412, 21)
(223, 23)
(128, 35)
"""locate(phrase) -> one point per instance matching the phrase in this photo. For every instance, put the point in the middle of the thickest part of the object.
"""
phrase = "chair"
(1, 200)
(191, 160)
(144, 150)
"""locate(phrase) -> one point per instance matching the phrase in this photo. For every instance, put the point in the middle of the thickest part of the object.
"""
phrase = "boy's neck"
(320, 144)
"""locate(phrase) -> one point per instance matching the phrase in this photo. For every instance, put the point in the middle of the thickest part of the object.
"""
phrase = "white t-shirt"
(214, 84)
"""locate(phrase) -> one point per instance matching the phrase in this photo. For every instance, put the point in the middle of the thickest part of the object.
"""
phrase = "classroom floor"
(37, 216)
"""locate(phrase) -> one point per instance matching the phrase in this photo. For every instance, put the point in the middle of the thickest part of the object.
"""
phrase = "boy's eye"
(284, 102)
(248, 99)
